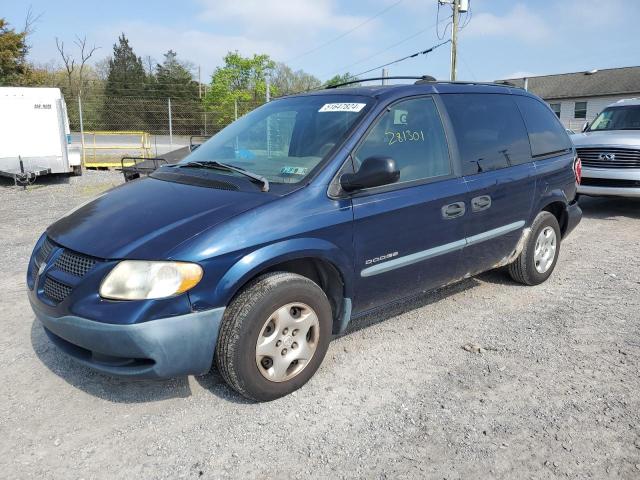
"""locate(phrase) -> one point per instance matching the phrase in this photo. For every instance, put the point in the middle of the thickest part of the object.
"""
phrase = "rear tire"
(258, 316)
(539, 256)
(77, 171)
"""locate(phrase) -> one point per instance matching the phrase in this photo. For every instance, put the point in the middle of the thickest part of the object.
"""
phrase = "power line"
(329, 42)
(386, 49)
(413, 55)
(444, 32)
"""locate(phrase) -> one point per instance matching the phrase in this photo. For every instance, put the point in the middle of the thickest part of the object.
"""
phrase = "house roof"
(610, 81)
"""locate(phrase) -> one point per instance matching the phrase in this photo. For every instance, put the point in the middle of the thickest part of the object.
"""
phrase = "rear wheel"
(274, 336)
(539, 256)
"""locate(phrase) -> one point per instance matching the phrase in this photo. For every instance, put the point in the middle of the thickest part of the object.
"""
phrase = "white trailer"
(34, 128)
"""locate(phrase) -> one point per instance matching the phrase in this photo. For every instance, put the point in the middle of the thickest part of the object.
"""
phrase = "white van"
(34, 127)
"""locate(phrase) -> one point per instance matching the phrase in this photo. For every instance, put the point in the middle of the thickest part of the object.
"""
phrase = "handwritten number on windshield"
(404, 136)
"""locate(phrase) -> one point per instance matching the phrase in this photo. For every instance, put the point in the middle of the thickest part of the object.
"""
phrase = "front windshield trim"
(340, 129)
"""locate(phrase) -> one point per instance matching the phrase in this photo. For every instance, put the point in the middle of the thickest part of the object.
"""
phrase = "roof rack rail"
(424, 79)
(351, 82)
(471, 82)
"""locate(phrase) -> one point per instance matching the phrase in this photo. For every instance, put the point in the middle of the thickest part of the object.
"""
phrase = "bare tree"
(85, 54)
(72, 66)
(69, 63)
(149, 64)
(30, 20)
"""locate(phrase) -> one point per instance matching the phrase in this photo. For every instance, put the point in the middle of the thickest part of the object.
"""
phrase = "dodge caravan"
(304, 214)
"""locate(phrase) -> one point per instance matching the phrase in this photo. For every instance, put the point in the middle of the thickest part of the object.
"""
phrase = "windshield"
(285, 139)
(618, 118)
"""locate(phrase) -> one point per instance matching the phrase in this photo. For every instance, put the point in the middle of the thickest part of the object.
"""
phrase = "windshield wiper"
(214, 164)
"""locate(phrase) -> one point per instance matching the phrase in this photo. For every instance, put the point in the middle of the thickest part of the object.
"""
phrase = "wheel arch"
(319, 260)
(558, 209)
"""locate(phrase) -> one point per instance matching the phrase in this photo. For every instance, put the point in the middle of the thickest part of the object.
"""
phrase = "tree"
(13, 54)
(173, 79)
(337, 79)
(126, 90)
(286, 81)
(126, 75)
(75, 69)
(241, 80)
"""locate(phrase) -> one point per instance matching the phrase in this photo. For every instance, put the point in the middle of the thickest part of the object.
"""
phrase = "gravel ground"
(555, 394)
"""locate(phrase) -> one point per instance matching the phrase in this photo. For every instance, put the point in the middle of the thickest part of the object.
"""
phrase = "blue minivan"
(306, 213)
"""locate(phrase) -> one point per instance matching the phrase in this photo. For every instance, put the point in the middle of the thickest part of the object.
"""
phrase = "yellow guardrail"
(141, 141)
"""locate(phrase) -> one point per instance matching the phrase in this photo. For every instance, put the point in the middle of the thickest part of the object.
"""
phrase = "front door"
(407, 236)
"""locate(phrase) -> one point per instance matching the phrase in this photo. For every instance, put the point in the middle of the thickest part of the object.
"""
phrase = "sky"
(501, 39)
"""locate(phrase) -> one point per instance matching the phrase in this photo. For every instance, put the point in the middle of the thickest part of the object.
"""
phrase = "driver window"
(411, 133)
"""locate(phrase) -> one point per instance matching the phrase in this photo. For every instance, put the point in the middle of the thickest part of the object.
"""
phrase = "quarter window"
(489, 130)
(411, 133)
(580, 110)
(546, 133)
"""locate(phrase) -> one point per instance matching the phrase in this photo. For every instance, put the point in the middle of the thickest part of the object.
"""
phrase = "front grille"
(609, 182)
(74, 263)
(622, 157)
(40, 257)
(34, 273)
(55, 290)
(44, 252)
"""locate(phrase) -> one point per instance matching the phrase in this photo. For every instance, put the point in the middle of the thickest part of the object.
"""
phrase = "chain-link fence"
(108, 128)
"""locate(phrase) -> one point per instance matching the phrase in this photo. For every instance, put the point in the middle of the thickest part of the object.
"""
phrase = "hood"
(145, 219)
(618, 138)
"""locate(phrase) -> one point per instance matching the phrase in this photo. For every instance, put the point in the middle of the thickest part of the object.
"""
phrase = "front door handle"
(453, 210)
(480, 203)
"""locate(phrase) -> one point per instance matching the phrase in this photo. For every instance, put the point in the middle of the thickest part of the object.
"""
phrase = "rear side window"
(489, 130)
(546, 133)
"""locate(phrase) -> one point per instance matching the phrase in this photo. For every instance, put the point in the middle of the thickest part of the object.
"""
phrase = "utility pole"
(199, 84)
(454, 39)
(385, 74)
(268, 89)
(170, 122)
(81, 126)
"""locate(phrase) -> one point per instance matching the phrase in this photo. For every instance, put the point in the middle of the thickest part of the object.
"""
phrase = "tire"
(527, 267)
(261, 311)
(77, 171)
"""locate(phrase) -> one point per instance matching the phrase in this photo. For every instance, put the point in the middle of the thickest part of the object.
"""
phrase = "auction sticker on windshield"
(342, 107)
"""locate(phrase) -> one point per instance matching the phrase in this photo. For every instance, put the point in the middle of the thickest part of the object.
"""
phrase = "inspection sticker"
(293, 170)
(342, 107)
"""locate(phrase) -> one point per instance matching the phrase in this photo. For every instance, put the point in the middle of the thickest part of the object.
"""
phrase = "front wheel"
(539, 256)
(274, 335)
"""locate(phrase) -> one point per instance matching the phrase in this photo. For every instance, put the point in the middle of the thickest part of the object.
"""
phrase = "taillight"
(577, 169)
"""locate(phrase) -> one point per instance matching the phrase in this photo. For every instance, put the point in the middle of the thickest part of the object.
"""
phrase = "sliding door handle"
(453, 210)
(480, 203)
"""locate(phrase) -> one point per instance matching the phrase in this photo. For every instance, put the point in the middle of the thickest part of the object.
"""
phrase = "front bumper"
(609, 191)
(616, 182)
(162, 348)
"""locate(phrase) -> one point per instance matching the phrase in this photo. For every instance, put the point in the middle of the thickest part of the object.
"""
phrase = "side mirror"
(374, 172)
(585, 126)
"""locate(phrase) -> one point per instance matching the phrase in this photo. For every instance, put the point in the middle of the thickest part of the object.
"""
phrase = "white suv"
(610, 151)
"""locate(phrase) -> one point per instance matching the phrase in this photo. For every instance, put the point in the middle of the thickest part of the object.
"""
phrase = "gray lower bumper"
(609, 191)
(163, 348)
(610, 174)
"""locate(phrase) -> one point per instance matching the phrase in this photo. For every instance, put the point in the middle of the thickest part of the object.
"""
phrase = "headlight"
(141, 280)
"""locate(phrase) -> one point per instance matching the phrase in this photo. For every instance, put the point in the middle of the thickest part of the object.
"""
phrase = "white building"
(579, 97)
